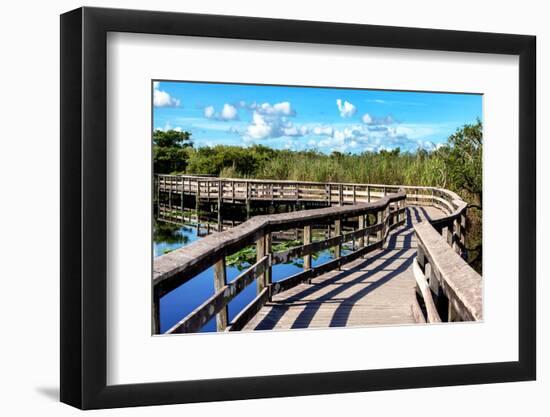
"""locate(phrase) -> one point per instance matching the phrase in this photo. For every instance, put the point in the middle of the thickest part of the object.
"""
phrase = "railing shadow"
(400, 241)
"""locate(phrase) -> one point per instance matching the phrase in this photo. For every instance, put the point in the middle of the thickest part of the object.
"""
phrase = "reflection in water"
(178, 303)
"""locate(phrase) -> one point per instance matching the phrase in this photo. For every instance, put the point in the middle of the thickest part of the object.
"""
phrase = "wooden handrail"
(449, 273)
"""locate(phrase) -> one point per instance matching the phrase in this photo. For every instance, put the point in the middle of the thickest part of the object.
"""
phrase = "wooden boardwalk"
(378, 290)
(408, 241)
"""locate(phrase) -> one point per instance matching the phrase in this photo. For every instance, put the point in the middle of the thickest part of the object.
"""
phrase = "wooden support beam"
(155, 319)
(379, 220)
(260, 253)
(220, 227)
(361, 225)
(268, 251)
(220, 281)
(337, 232)
(307, 240)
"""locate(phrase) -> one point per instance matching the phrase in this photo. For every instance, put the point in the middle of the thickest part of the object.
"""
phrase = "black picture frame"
(84, 207)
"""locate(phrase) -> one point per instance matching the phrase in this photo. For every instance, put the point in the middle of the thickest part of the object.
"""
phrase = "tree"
(463, 160)
(172, 138)
(170, 150)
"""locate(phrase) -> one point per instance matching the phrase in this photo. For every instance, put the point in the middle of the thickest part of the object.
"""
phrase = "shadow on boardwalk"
(376, 290)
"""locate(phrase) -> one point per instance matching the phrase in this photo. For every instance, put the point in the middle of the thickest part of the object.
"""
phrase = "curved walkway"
(378, 290)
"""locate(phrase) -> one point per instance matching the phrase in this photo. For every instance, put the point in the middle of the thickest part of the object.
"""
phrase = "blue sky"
(299, 118)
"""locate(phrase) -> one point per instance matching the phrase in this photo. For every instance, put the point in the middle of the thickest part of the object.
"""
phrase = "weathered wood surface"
(461, 284)
(376, 290)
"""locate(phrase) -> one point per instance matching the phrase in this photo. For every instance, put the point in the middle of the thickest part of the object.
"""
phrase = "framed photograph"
(257, 208)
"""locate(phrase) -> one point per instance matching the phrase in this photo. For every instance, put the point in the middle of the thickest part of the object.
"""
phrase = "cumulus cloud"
(259, 128)
(229, 112)
(272, 126)
(364, 137)
(377, 121)
(283, 108)
(272, 121)
(345, 108)
(366, 118)
(209, 112)
(162, 98)
(323, 130)
(167, 126)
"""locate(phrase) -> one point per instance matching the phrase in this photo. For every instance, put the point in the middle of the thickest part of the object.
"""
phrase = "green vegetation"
(457, 166)
(247, 256)
(169, 150)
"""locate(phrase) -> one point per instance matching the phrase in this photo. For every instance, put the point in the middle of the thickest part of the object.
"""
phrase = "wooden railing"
(445, 279)
(175, 268)
(230, 190)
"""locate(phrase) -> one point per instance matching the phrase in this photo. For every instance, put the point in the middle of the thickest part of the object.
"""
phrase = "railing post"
(379, 220)
(354, 194)
(463, 230)
(368, 193)
(220, 228)
(247, 200)
(307, 241)
(155, 320)
(340, 195)
(181, 203)
(450, 234)
(337, 232)
(260, 253)
(455, 241)
(361, 225)
(219, 282)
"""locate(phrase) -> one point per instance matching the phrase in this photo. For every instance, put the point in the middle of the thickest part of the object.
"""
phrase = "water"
(183, 300)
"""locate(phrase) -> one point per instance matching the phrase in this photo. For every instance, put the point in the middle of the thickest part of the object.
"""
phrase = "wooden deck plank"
(378, 290)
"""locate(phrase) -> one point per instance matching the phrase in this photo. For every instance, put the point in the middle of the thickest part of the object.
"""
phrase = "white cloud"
(283, 108)
(377, 121)
(323, 130)
(272, 126)
(162, 98)
(229, 112)
(345, 108)
(271, 121)
(209, 112)
(168, 126)
(259, 128)
(366, 118)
